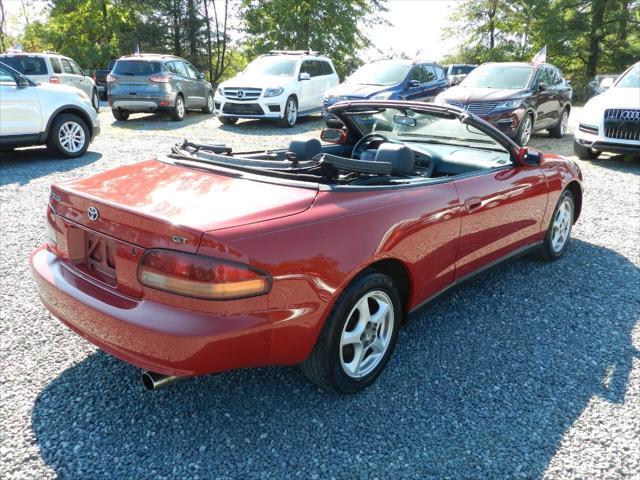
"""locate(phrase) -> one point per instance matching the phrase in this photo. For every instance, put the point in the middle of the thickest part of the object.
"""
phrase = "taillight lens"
(159, 78)
(112, 78)
(201, 277)
(54, 79)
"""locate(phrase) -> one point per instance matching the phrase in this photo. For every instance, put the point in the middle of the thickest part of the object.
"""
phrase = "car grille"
(242, 94)
(622, 123)
(242, 109)
(478, 108)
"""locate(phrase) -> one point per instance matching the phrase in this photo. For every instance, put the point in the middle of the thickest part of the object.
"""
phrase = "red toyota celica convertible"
(207, 260)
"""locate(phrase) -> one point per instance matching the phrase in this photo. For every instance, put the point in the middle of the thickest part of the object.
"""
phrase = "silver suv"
(151, 82)
(51, 67)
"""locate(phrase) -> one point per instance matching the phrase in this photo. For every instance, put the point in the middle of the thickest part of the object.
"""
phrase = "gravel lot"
(532, 371)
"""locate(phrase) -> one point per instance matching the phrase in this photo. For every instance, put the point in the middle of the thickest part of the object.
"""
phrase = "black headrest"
(305, 149)
(400, 157)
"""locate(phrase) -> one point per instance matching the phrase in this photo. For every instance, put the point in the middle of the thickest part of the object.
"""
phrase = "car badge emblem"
(240, 94)
(179, 239)
(630, 115)
(93, 213)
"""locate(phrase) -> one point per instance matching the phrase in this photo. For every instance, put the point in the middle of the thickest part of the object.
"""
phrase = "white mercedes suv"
(59, 116)
(610, 122)
(283, 85)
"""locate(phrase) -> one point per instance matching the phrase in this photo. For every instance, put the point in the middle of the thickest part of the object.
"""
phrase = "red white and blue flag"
(540, 57)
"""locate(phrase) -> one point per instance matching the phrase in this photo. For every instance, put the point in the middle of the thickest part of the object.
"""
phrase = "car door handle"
(473, 203)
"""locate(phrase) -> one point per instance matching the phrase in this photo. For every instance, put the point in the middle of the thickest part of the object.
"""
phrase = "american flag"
(540, 57)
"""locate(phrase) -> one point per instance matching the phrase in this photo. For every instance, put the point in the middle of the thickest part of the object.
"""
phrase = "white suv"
(283, 86)
(56, 115)
(51, 67)
(610, 122)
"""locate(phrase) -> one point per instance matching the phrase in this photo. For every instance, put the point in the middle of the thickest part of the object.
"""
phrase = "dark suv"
(517, 98)
(150, 82)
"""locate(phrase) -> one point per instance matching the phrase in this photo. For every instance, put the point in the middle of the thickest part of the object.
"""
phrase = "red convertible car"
(207, 260)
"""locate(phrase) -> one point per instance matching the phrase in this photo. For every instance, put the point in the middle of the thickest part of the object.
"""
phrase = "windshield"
(512, 77)
(412, 126)
(278, 66)
(380, 73)
(136, 68)
(631, 79)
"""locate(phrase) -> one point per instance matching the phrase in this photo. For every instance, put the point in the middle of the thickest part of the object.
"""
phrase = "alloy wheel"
(367, 334)
(526, 130)
(564, 123)
(561, 225)
(71, 137)
(292, 111)
(180, 107)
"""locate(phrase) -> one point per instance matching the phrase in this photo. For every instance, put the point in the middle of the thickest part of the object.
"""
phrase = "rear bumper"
(142, 103)
(149, 334)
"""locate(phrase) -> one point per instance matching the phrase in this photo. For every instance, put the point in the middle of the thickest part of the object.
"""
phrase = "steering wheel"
(362, 144)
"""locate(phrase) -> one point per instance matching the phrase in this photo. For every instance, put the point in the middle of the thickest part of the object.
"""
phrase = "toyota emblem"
(93, 213)
(240, 94)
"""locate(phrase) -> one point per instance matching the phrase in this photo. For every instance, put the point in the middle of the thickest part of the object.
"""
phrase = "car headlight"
(509, 104)
(382, 96)
(273, 92)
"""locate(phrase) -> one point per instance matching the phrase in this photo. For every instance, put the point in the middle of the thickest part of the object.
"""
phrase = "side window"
(430, 73)
(180, 69)
(542, 77)
(439, 72)
(66, 66)
(306, 67)
(170, 67)
(418, 73)
(6, 77)
(326, 68)
(76, 69)
(191, 71)
(55, 63)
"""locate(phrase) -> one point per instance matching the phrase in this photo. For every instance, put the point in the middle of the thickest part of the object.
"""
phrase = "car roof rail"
(294, 52)
(49, 52)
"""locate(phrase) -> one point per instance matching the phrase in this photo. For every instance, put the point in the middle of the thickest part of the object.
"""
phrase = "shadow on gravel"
(23, 165)
(618, 163)
(270, 128)
(159, 121)
(483, 384)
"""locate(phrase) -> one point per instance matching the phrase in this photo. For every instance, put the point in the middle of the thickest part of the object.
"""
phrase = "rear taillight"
(54, 79)
(201, 277)
(112, 78)
(159, 78)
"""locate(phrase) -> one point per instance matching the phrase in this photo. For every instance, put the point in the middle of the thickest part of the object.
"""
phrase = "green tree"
(336, 28)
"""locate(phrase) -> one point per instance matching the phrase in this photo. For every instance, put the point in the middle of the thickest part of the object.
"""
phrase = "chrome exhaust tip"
(154, 381)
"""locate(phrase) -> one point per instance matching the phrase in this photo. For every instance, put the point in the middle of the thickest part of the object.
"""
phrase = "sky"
(415, 26)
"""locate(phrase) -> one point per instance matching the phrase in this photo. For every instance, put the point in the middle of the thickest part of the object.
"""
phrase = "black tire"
(68, 121)
(584, 153)
(522, 133)
(547, 252)
(95, 100)
(288, 119)
(228, 120)
(7, 149)
(119, 114)
(323, 366)
(179, 109)
(208, 107)
(560, 128)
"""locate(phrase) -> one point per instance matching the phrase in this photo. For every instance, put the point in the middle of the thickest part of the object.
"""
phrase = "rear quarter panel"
(314, 255)
(559, 173)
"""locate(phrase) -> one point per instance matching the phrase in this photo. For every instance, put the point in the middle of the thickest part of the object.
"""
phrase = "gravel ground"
(531, 371)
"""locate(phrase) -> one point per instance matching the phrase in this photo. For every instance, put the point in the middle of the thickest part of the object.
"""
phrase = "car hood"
(149, 203)
(614, 98)
(467, 94)
(257, 81)
(356, 90)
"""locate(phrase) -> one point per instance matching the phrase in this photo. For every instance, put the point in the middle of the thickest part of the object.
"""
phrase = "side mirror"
(200, 76)
(413, 83)
(304, 76)
(333, 135)
(529, 157)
